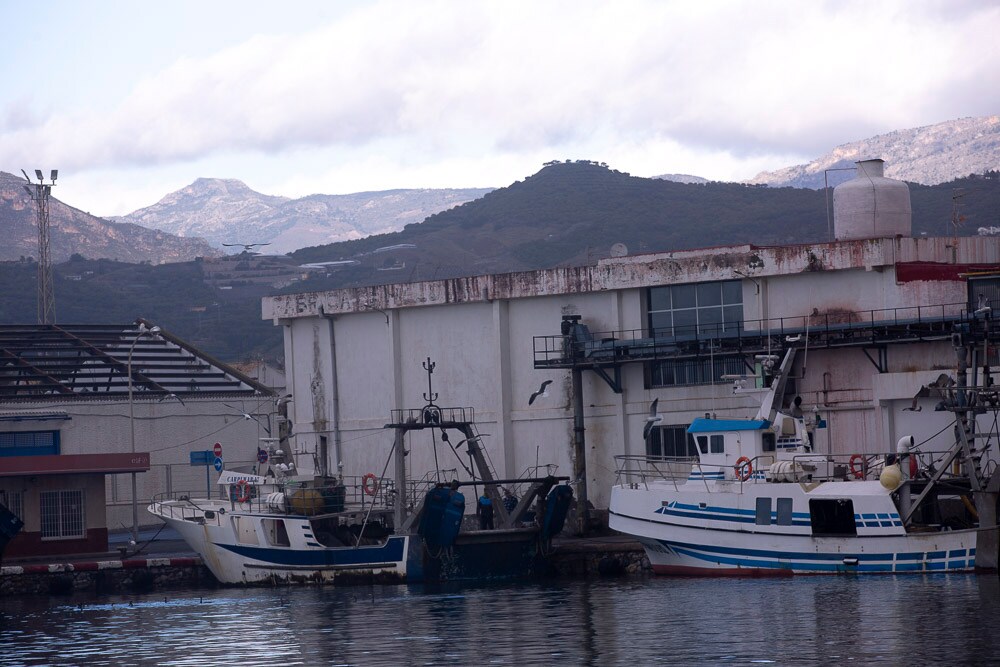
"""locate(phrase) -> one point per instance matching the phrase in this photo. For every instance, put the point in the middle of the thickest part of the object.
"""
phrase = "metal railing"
(356, 495)
(635, 470)
(431, 415)
(865, 327)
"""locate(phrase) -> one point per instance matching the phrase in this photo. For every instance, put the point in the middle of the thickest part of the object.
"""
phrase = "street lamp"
(142, 331)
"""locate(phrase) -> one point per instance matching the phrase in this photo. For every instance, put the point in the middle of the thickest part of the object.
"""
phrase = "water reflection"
(942, 619)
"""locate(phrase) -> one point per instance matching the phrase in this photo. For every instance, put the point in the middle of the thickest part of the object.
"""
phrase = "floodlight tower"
(40, 192)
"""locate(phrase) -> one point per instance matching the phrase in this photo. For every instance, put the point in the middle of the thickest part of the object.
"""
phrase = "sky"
(134, 100)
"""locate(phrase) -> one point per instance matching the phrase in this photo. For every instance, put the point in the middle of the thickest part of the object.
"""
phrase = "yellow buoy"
(891, 477)
(306, 501)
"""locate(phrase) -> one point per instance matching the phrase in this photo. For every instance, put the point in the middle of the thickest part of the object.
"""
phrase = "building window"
(62, 514)
(671, 441)
(29, 443)
(702, 308)
(695, 371)
(13, 501)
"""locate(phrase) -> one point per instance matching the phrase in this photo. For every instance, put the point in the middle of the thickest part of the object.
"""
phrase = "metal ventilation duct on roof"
(871, 205)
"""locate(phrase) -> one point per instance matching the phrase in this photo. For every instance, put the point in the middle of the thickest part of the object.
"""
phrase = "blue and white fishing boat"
(277, 525)
(758, 500)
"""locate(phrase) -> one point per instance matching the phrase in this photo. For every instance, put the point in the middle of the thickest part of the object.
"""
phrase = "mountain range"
(72, 231)
(928, 155)
(199, 219)
(571, 214)
(226, 211)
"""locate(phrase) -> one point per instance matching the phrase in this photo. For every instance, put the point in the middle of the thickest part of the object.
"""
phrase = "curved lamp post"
(142, 331)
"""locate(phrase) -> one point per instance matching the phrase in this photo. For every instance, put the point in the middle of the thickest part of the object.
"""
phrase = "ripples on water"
(918, 620)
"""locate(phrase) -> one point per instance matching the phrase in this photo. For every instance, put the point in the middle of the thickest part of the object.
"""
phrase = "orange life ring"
(242, 491)
(370, 484)
(743, 468)
(858, 472)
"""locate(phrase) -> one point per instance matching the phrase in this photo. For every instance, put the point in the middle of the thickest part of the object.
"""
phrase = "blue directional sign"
(218, 464)
(203, 458)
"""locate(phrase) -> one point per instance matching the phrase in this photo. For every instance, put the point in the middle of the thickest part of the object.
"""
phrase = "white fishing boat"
(266, 528)
(276, 525)
(759, 500)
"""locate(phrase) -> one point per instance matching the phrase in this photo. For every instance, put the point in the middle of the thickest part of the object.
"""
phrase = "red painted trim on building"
(30, 544)
(907, 272)
(68, 464)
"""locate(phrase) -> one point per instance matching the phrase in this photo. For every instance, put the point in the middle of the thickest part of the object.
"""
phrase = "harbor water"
(890, 620)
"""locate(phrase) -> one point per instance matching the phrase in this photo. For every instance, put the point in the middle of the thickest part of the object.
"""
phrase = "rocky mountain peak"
(927, 155)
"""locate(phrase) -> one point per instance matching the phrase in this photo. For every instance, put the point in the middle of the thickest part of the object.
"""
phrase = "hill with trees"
(572, 213)
(566, 214)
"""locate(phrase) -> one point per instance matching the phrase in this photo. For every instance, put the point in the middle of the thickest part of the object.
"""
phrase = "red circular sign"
(217, 450)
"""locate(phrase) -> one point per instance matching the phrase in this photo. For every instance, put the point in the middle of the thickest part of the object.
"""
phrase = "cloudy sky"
(132, 100)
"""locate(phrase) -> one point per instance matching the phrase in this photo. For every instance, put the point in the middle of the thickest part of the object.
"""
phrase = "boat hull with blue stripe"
(690, 531)
(758, 499)
(242, 543)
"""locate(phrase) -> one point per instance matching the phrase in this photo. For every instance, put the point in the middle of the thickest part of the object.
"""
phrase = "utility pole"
(39, 192)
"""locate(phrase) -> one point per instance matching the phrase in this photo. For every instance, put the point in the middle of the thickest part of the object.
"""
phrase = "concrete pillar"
(501, 331)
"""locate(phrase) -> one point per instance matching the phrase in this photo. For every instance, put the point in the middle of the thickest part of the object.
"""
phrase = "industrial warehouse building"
(871, 314)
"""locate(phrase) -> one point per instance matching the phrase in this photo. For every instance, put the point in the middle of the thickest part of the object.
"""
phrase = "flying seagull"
(651, 420)
(543, 391)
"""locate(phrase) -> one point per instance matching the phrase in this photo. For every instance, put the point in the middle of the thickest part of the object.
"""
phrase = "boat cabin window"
(703, 443)
(246, 531)
(763, 511)
(833, 516)
(275, 532)
(767, 441)
(718, 444)
(671, 441)
(784, 511)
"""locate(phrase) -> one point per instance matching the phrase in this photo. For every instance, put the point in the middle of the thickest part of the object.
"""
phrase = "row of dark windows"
(29, 443)
(676, 442)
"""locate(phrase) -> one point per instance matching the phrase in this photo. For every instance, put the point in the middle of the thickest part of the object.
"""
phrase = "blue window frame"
(29, 443)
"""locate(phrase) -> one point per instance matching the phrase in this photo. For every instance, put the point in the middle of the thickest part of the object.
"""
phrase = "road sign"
(217, 450)
(262, 456)
(218, 464)
(202, 458)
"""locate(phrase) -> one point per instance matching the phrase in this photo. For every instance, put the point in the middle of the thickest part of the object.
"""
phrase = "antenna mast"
(39, 192)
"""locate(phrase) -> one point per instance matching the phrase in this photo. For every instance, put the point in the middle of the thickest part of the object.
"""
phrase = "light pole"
(142, 331)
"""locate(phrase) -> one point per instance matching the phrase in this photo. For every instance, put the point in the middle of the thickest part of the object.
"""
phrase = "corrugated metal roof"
(93, 361)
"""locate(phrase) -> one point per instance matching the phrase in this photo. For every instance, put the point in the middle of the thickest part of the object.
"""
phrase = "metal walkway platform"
(873, 331)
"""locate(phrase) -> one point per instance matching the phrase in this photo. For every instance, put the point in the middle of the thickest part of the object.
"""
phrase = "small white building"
(352, 355)
(120, 402)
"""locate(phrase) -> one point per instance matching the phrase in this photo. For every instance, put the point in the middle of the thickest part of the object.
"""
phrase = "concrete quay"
(163, 561)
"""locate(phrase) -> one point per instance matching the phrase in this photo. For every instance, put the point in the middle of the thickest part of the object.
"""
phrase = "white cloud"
(468, 91)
